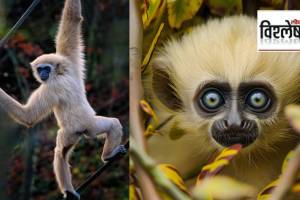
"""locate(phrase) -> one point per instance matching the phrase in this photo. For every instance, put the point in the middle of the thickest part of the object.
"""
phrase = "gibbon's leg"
(113, 129)
(64, 145)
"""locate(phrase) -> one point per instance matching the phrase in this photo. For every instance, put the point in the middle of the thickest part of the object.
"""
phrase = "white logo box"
(278, 30)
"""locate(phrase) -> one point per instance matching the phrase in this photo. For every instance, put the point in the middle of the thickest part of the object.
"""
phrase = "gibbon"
(62, 91)
(219, 90)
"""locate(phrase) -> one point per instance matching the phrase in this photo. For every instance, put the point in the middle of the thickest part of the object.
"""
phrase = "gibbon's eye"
(258, 100)
(47, 69)
(211, 100)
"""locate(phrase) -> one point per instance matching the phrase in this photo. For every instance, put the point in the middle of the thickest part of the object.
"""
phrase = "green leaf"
(154, 11)
(182, 10)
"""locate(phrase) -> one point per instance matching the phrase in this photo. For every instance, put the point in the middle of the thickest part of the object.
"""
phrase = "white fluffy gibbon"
(220, 91)
(62, 91)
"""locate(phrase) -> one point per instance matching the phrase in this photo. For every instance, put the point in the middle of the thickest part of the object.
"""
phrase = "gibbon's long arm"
(38, 106)
(68, 40)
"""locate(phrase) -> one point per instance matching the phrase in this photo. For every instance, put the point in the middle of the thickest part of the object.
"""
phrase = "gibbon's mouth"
(237, 136)
(227, 141)
(44, 78)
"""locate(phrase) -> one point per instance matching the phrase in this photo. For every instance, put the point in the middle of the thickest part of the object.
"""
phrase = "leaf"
(174, 176)
(152, 46)
(286, 160)
(296, 186)
(149, 131)
(182, 10)
(221, 7)
(133, 194)
(265, 193)
(147, 109)
(292, 113)
(221, 187)
(223, 159)
(151, 10)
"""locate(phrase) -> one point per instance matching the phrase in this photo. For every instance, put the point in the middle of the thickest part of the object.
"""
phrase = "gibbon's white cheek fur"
(221, 56)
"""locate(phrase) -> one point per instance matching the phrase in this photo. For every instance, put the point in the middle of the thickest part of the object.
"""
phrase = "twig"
(137, 131)
(154, 172)
(288, 177)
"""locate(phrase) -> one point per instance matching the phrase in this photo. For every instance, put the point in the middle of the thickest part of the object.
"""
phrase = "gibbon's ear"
(60, 68)
(165, 89)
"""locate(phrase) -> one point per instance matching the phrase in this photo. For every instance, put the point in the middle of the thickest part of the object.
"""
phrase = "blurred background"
(26, 155)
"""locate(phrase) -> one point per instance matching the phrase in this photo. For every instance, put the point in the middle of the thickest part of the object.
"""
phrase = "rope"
(19, 22)
(97, 173)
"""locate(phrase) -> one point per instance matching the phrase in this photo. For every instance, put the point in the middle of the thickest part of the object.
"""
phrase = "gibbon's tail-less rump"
(221, 91)
(62, 91)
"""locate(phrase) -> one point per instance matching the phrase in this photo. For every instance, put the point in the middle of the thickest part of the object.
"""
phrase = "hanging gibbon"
(62, 92)
(219, 91)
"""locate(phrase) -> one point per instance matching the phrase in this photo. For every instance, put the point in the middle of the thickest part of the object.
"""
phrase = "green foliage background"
(26, 155)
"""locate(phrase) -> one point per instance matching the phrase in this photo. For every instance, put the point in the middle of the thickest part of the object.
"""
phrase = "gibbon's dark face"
(218, 98)
(44, 71)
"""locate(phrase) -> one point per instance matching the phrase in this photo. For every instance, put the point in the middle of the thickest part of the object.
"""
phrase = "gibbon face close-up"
(219, 91)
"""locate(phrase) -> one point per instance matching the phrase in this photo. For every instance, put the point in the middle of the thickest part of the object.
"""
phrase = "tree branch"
(136, 129)
(158, 177)
(288, 177)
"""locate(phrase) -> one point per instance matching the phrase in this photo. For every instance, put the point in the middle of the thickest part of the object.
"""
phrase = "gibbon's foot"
(119, 150)
(71, 195)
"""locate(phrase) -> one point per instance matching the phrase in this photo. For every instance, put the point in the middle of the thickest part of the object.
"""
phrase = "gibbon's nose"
(233, 118)
(44, 75)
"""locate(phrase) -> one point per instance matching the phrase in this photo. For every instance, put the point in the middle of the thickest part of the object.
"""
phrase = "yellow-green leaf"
(152, 46)
(133, 193)
(182, 10)
(286, 160)
(292, 112)
(265, 193)
(174, 176)
(148, 109)
(149, 14)
(223, 159)
(221, 187)
(149, 131)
